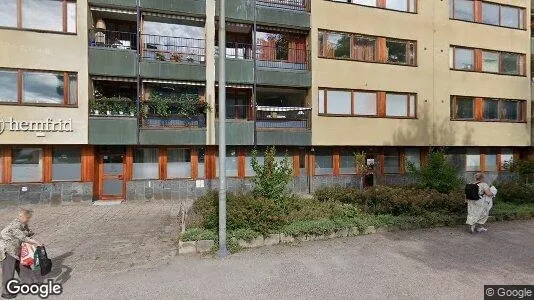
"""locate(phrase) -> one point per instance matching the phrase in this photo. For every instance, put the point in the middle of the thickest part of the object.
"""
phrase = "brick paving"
(84, 238)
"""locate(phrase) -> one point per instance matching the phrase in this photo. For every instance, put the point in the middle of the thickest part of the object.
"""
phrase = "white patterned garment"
(11, 237)
(478, 210)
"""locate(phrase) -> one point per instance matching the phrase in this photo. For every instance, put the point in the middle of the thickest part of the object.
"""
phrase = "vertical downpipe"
(138, 71)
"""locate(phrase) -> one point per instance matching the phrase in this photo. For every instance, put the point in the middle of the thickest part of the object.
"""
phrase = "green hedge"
(515, 192)
(395, 200)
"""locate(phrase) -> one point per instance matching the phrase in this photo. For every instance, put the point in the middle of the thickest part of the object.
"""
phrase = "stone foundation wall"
(45, 193)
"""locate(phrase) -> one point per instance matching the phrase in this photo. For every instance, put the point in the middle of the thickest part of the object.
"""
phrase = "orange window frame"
(478, 14)
(64, 17)
(478, 61)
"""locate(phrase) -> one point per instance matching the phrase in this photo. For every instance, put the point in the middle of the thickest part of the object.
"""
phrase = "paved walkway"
(100, 239)
(443, 263)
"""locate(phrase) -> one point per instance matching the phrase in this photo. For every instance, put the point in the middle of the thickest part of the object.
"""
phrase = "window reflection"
(8, 86)
(44, 88)
(8, 13)
(42, 14)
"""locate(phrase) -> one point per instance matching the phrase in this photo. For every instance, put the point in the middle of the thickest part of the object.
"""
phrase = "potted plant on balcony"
(160, 56)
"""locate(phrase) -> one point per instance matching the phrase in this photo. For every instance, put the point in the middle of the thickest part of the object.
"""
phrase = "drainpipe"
(138, 71)
(254, 103)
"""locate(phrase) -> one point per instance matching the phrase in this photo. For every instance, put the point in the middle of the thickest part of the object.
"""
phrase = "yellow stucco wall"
(48, 51)
(432, 79)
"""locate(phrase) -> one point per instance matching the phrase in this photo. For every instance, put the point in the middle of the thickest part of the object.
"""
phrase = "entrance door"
(112, 184)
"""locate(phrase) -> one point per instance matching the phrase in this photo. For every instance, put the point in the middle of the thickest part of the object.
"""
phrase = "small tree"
(272, 177)
(362, 169)
(524, 169)
(436, 173)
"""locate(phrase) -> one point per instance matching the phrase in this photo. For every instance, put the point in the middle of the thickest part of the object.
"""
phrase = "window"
(364, 48)
(178, 163)
(8, 13)
(492, 61)
(231, 162)
(472, 160)
(464, 59)
(201, 162)
(27, 165)
(367, 48)
(66, 164)
(510, 63)
(413, 156)
(398, 5)
(365, 103)
(491, 109)
(391, 161)
(42, 88)
(339, 102)
(510, 16)
(8, 85)
(400, 105)
(491, 13)
(47, 15)
(507, 157)
(146, 163)
(347, 163)
(400, 52)
(324, 164)
(490, 161)
(463, 10)
(463, 108)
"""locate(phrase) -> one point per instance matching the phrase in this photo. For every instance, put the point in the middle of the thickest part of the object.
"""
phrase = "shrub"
(437, 173)
(515, 192)
(272, 177)
(197, 234)
(395, 200)
(523, 168)
(244, 234)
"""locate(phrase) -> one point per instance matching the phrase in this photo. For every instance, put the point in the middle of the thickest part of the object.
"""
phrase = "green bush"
(515, 192)
(197, 234)
(436, 173)
(395, 200)
(246, 234)
(272, 177)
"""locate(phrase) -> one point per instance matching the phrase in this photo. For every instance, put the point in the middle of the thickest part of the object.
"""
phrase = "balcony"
(177, 58)
(283, 66)
(239, 63)
(112, 53)
(285, 13)
(189, 7)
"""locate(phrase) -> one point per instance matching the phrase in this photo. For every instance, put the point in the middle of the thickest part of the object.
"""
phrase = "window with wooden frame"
(487, 61)
(41, 88)
(488, 109)
(392, 161)
(324, 161)
(178, 163)
(367, 48)
(27, 164)
(362, 103)
(66, 164)
(41, 15)
(146, 163)
(488, 159)
(347, 161)
(489, 13)
(396, 5)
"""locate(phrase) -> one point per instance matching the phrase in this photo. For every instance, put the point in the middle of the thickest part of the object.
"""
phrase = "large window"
(66, 164)
(324, 164)
(232, 162)
(347, 162)
(398, 5)
(488, 13)
(413, 156)
(178, 163)
(26, 165)
(472, 160)
(38, 88)
(491, 109)
(391, 161)
(489, 61)
(367, 48)
(366, 103)
(47, 15)
(146, 163)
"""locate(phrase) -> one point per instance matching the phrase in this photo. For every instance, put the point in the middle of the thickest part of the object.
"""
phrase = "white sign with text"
(48, 125)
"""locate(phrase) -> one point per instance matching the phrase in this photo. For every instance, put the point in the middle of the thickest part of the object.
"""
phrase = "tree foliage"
(272, 177)
(436, 173)
(522, 168)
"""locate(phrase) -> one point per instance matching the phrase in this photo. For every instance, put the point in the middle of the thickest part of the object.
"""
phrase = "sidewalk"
(84, 238)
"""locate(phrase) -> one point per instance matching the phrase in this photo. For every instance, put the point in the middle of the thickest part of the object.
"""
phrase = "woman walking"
(478, 210)
(11, 238)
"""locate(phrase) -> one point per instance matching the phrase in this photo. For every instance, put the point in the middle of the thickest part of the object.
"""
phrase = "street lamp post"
(223, 252)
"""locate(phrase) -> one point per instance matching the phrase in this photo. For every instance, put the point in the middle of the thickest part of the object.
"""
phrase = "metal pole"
(138, 72)
(254, 100)
(222, 130)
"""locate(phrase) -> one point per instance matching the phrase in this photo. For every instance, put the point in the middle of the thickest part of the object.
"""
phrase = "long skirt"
(478, 211)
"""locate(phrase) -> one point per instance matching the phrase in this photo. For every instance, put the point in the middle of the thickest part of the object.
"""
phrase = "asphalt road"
(443, 263)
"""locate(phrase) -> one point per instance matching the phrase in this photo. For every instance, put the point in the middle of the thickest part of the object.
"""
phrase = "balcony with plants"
(174, 106)
(113, 99)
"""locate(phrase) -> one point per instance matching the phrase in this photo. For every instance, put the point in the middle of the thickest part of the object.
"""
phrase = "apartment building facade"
(118, 99)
